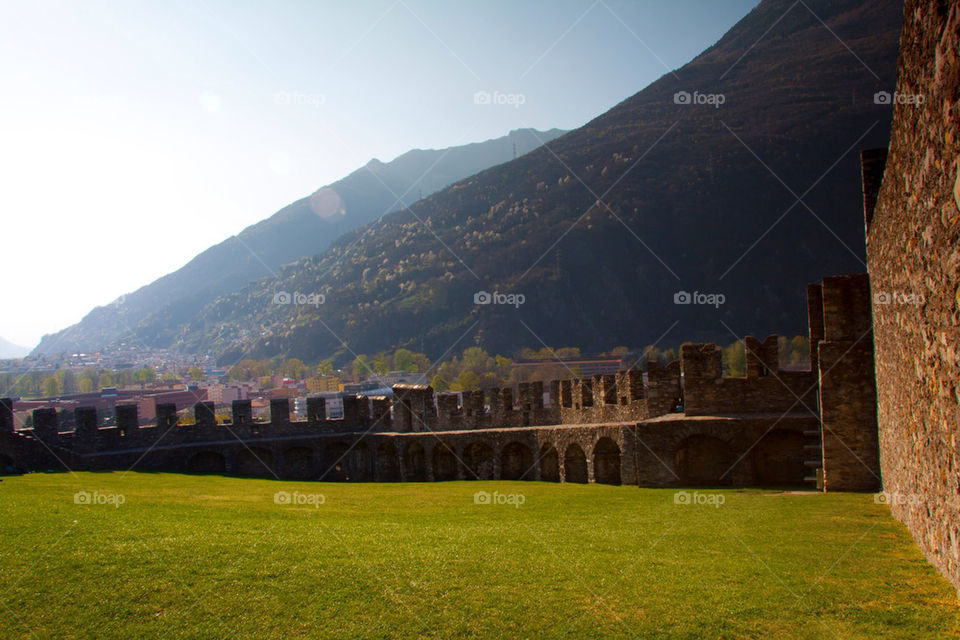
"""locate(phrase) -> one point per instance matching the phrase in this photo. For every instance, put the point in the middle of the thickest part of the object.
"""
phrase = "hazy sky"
(133, 135)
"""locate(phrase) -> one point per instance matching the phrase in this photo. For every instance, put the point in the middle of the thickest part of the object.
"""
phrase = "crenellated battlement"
(764, 388)
(413, 409)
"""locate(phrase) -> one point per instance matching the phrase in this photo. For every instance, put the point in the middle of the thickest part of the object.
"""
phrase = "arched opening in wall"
(478, 458)
(388, 470)
(256, 462)
(7, 466)
(298, 463)
(362, 463)
(516, 462)
(778, 458)
(549, 464)
(606, 461)
(704, 460)
(207, 462)
(414, 462)
(575, 464)
(335, 467)
(444, 463)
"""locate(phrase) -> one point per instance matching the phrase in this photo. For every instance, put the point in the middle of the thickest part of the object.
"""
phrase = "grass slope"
(215, 557)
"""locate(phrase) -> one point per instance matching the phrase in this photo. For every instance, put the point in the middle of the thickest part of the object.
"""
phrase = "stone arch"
(478, 459)
(335, 462)
(516, 462)
(778, 458)
(207, 462)
(298, 463)
(254, 462)
(606, 461)
(704, 460)
(444, 463)
(549, 464)
(414, 462)
(575, 464)
(387, 468)
(361, 463)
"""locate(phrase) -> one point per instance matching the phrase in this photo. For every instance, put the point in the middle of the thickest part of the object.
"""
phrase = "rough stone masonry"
(913, 235)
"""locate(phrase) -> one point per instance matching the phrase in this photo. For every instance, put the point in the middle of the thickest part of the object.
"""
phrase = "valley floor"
(114, 555)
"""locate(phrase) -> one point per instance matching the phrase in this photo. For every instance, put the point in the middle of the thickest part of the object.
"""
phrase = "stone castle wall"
(914, 263)
(681, 424)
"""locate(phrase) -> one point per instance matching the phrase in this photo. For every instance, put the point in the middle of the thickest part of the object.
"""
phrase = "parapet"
(204, 414)
(45, 424)
(663, 387)
(846, 307)
(166, 415)
(279, 410)
(6, 414)
(412, 404)
(128, 419)
(762, 358)
(700, 361)
(242, 412)
(764, 388)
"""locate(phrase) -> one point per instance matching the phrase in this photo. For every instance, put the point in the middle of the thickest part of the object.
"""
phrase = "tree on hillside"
(294, 368)
(361, 365)
(66, 381)
(145, 374)
(381, 363)
(403, 360)
(466, 381)
(439, 384)
(325, 367)
(50, 387)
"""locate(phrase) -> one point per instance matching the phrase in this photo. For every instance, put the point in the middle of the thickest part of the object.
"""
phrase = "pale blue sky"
(133, 135)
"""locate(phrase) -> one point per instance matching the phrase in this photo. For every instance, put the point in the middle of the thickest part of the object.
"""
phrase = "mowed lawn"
(180, 556)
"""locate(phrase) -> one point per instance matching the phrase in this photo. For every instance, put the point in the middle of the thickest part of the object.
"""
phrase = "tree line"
(473, 368)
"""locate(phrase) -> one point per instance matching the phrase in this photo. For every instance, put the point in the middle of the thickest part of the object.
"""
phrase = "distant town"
(147, 377)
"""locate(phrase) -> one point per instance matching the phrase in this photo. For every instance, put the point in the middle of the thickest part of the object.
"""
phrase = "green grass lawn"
(214, 557)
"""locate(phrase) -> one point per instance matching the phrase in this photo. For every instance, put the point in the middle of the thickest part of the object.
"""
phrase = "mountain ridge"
(305, 227)
(769, 181)
(10, 350)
